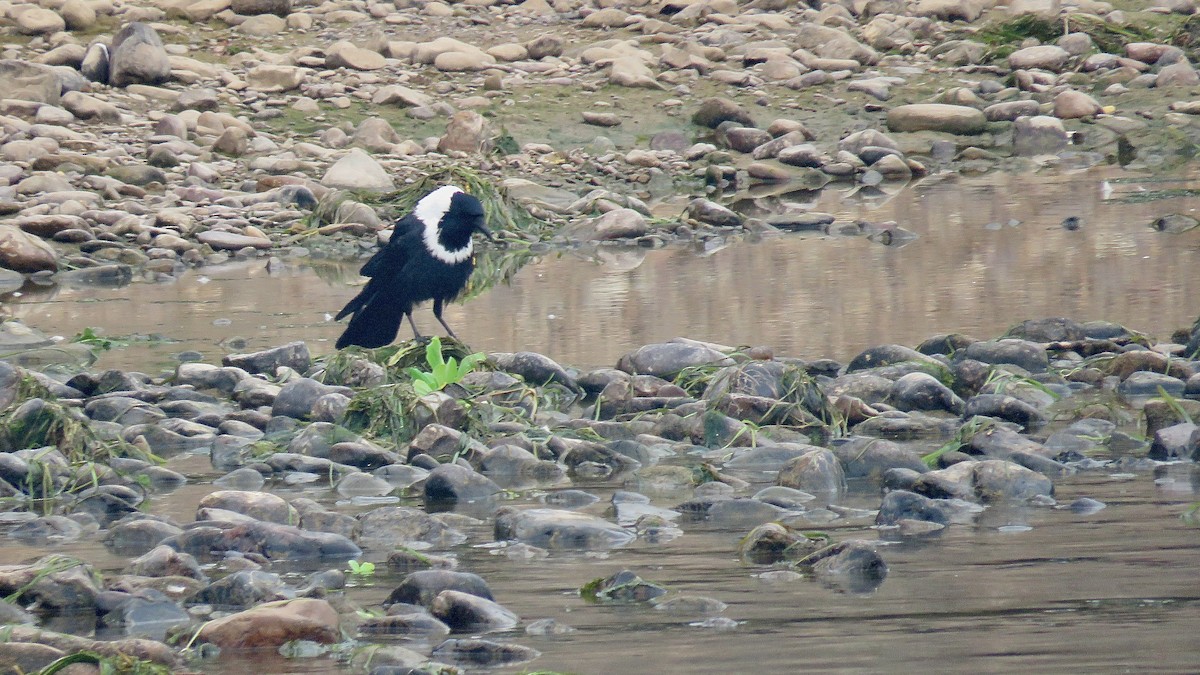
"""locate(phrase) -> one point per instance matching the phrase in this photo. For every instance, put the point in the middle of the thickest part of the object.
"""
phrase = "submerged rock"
(556, 529)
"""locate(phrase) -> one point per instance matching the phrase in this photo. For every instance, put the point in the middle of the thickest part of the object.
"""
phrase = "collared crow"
(429, 257)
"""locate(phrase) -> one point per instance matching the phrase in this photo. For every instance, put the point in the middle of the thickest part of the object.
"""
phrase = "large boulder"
(138, 57)
(29, 81)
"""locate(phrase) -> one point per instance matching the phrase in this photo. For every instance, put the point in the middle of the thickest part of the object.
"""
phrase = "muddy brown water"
(990, 252)
(1021, 589)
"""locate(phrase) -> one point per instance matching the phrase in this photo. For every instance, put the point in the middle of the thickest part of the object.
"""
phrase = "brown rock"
(955, 119)
(465, 133)
(1072, 104)
(271, 624)
(24, 252)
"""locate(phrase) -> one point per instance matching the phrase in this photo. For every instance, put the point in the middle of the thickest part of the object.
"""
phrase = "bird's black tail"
(374, 324)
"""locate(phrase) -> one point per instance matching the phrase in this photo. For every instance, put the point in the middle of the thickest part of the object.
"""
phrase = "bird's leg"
(437, 312)
(416, 334)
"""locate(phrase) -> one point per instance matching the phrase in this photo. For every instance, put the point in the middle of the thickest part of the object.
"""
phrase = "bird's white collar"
(430, 211)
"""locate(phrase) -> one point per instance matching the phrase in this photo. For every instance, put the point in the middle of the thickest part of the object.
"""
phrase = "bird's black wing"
(386, 262)
(386, 258)
(377, 310)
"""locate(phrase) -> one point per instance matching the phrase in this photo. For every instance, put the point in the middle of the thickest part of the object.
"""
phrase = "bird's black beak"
(486, 232)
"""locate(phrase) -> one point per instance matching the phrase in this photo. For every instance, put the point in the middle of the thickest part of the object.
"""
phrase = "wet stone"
(818, 471)
(423, 587)
(872, 457)
(294, 355)
(852, 566)
(555, 529)
(1006, 408)
(483, 653)
(468, 612)
(899, 505)
(273, 624)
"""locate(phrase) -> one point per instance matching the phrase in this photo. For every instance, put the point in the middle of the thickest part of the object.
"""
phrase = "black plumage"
(429, 257)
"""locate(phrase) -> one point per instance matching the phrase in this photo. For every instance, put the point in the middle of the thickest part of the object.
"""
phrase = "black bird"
(427, 258)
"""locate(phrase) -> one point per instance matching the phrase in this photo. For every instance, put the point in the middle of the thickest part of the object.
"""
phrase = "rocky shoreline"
(941, 432)
(142, 139)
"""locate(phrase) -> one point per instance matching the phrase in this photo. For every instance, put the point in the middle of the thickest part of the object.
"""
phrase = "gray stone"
(955, 119)
(357, 170)
(29, 81)
(138, 57)
(1038, 135)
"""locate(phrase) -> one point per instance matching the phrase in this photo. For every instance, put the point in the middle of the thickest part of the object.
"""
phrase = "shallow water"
(1021, 589)
(990, 252)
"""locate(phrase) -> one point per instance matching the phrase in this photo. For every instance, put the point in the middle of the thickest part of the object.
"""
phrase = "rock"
(1180, 74)
(257, 505)
(262, 25)
(39, 21)
(272, 624)
(559, 530)
(450, 483)
(394, 94)
(1000, 481)
(668, 358)
(78, 15)
(389, 526)
(861, 456)
(271, 78)
(1072, 104)
(922, 391)
(470, 613)
(767, 458)
(1039, 135)
(713, 111)
(423, 587)
(746, 139)
(256, 7)
(138, 57)
(1045, 57)
(29, 81)
(955, 119)
(23, 252)
(345, 54)
(463, 61)
(88, 107)
(1176, 442)
(545, 46)
(1008, 111)
(631, 71)
(534, 367)
(616, 224)
(483, 653)
(271, 540)
(1005, 408)
(357, 170)
(293, 355)
(950, 10)
(601, 119)
(466, 132)
(243, 589)
(53, 591)
(712, 213)
(232, 241)
(851, 566)
(818, 471)
(1143, 384)
(902, 505)
(1028, 355)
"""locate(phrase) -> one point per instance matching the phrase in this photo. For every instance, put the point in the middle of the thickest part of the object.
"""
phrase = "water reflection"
(989, 253)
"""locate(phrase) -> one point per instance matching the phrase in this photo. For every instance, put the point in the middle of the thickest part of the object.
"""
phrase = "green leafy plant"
(442, 371)
(88, 336)
(363, 569)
